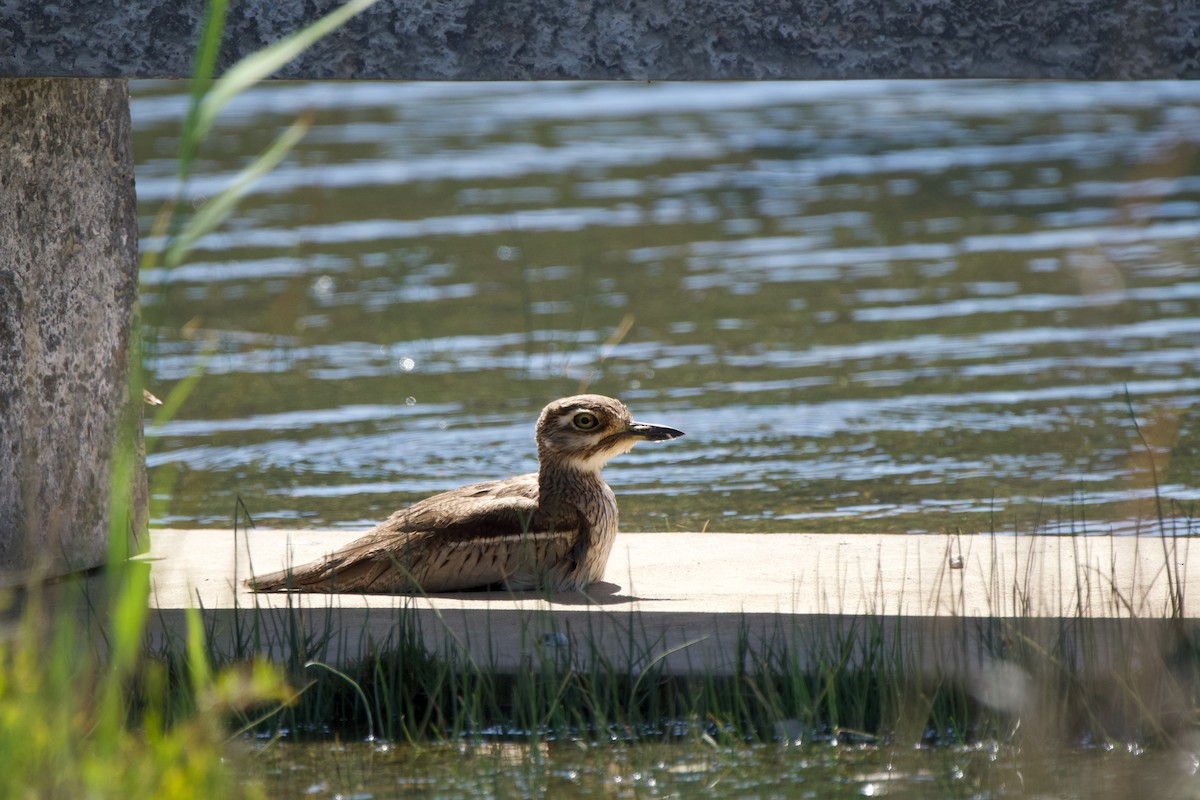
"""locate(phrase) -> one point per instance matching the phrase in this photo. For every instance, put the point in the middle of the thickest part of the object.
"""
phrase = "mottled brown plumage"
(550, 529)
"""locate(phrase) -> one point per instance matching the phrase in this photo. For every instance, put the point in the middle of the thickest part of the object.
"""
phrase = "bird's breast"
(584, 496)
(599, 508)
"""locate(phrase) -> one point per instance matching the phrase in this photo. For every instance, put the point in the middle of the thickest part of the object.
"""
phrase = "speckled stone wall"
(627, 39)
(68, 298)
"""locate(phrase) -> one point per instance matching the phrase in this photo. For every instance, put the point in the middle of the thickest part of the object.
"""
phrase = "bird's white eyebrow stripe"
(568, 417)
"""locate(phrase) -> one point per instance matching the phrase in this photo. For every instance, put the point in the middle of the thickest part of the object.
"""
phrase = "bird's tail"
(320, 576)
(357, 567)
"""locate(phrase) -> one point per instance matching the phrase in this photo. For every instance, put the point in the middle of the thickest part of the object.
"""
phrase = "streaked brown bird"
(552, 529)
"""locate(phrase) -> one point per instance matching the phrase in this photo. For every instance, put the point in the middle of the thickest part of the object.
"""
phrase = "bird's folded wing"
(462, 506)
(484, 537)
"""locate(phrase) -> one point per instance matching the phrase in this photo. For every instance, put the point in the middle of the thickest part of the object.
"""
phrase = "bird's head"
(586, 430)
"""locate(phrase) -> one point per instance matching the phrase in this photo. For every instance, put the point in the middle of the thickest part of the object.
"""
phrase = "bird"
(551, 530)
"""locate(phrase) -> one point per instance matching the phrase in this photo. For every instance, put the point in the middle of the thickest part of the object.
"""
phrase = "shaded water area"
(816, 771)
(872, 306)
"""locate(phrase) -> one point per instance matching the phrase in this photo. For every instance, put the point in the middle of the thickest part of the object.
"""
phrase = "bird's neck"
(565, 481)
(573, 491)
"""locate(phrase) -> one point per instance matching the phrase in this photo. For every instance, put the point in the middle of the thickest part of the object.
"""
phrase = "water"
(373, 771)
(872, 306)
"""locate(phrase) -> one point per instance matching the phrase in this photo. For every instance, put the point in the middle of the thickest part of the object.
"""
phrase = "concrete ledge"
(68, 298)
(661, 40)
(686, 600)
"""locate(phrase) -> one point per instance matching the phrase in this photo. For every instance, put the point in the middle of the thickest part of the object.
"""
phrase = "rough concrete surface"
(629, 40)
(68, 295)
(686, 598)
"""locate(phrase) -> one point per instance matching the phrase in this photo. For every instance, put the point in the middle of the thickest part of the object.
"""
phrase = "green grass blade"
(269, 60)
(203, 67)
(197, 655)
(215, 210)
(366, 704)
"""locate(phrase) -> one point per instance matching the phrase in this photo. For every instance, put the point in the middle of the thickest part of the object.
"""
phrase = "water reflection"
(572, 769)
(873, 306)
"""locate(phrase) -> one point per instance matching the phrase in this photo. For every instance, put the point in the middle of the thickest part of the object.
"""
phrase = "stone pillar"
(68, 305)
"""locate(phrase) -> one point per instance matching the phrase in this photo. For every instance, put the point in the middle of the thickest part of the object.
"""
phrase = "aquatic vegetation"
(1013, 673)
(83, 712)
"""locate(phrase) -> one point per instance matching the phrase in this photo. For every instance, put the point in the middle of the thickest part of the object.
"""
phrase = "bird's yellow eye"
(585, 421)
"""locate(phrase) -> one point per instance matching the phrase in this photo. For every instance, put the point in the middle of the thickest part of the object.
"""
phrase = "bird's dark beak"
(652, 433)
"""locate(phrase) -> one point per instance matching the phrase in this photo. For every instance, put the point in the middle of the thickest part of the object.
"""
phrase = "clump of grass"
(84, 714)
(1010, 674)
(1011, 679)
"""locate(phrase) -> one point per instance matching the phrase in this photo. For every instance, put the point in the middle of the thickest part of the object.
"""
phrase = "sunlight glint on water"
(512, 769)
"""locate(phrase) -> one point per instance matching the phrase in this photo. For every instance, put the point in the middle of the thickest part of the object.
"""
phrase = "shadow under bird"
(552, 529)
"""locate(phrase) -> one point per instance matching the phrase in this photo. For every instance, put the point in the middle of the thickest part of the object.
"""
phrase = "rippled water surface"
(872, 306)
(374, 771)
